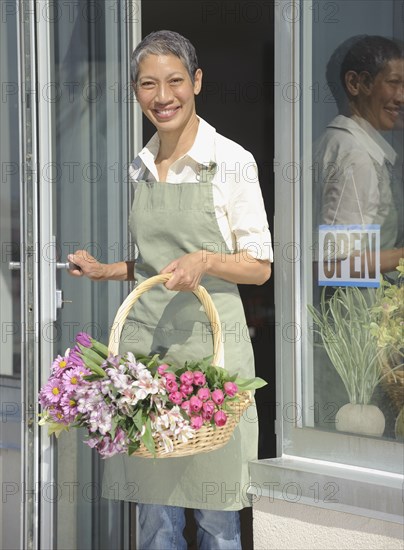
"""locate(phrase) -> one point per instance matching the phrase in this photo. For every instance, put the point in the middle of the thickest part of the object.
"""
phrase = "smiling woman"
(198, 214)
(366, 74)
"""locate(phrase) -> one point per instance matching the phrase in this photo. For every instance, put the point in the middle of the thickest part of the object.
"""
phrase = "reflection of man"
(366, 75)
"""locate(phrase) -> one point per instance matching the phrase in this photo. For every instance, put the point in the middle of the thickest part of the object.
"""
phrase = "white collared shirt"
(237, 197)
(353, 177)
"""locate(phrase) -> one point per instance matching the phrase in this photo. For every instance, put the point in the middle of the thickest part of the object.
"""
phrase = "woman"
(355, 163)
(198, 213)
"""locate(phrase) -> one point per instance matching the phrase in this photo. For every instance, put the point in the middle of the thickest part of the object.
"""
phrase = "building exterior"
(69, 129)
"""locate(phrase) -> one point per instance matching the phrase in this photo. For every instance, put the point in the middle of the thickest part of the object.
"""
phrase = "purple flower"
(75, 358)
(60, 365)
(84, 339)
(230, 388)
(52, 392)
(58, 415)
(199, 378)
(69, 407)
(73, 377)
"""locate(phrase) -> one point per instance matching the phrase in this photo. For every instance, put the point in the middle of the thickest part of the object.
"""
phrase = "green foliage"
(343, 324)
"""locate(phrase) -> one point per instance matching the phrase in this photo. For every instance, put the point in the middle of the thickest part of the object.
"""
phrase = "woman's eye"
(176, 80)
(147, 84)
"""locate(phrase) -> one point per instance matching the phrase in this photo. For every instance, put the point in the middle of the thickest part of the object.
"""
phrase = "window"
(310, 175)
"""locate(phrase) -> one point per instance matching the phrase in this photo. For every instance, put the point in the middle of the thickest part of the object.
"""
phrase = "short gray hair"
(165, 43)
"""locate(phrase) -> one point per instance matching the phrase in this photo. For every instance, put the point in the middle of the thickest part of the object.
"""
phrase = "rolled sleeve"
(246, 211)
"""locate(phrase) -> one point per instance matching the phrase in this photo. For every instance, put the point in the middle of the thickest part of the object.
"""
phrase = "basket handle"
(201, 293)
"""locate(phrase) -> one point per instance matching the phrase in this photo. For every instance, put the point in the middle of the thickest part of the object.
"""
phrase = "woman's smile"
(166, 93)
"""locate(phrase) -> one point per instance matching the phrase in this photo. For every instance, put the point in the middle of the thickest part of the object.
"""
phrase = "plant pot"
(360, 419)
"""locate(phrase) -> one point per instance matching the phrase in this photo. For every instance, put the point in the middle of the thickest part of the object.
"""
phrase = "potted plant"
(343, 322)
(387, 325)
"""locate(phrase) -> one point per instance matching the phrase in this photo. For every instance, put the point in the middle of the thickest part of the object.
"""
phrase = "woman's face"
(166, 93)
(383, 104)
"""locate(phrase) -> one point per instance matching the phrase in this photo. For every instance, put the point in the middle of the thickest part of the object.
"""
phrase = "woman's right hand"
(87, 266)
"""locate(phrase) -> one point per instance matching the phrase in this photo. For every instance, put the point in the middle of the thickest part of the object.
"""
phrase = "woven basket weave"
(207, 438)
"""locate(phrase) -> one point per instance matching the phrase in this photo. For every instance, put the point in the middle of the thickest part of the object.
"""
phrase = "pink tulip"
(196, 422)
(220, 418)
(207, 410)
(195, 404)
(162, 368)
(175, 397)
(185, 406)
(230, 388)
(199, 378)
(186, 390)
(203, 394)
(171, 385)
(187, 377)
(169, 376)
(218, 397)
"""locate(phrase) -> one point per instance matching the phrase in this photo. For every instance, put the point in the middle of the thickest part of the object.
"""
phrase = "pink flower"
(73, 377)
(199, 378)
(175, 397)
(169, 376)
(185, 389)
(207, 410)
(196, 422)
(52, 392)
(162, 368)
(230, 388)
(220, 418)
(187, 377)
(218, 397)
(195, 404)
(60, 365)
(185, 406)
(171, 385)
(203, 394)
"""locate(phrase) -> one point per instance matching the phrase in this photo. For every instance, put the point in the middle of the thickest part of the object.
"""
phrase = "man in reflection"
(361, 180)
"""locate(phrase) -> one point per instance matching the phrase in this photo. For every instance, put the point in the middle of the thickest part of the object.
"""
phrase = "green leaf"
(147, 437)
(250, 383)
(138, 420)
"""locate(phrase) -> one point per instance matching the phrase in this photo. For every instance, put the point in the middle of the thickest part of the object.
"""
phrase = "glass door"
(10, 287)
(69, 129)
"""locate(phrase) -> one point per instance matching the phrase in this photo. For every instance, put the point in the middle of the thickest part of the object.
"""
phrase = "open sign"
(349, 255)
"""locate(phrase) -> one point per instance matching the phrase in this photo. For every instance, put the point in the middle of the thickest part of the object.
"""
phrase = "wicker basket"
(207, 438)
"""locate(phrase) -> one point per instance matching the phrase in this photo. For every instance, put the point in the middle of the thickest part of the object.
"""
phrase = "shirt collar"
(372, 140)
(202, 150)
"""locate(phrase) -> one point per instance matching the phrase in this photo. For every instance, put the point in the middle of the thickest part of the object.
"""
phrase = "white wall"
(279, 524)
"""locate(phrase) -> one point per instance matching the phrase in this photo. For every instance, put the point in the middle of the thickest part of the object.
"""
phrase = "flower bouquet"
(141, 405)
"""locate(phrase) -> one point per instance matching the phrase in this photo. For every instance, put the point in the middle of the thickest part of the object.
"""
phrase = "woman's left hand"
(187, 271)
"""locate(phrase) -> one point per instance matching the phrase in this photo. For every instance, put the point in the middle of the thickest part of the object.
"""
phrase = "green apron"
(168, 221)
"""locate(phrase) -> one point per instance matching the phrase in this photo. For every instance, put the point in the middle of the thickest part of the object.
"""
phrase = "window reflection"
(357, 166)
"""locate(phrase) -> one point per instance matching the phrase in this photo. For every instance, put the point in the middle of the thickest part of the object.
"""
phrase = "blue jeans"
(161, 528)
